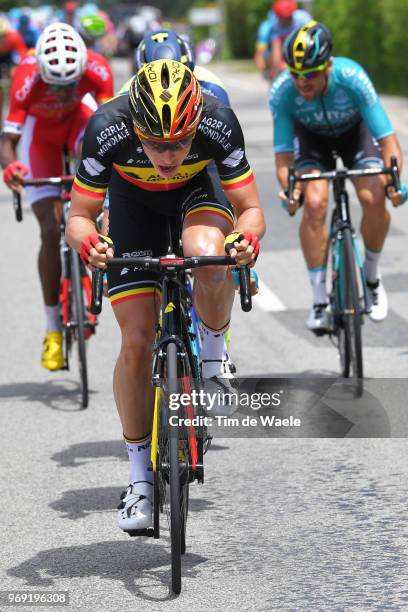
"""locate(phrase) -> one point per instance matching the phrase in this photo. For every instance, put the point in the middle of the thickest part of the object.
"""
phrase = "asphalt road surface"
(281, 523)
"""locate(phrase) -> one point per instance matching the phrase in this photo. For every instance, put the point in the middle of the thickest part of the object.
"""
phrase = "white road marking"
(267, 301)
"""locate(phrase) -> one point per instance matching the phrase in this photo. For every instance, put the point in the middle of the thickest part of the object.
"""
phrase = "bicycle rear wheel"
(78, 319)
(350, 337)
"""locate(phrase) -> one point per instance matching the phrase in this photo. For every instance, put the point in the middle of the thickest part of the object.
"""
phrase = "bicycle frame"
(341, 219)
(176, 327)
(75, 294)
(349, 292)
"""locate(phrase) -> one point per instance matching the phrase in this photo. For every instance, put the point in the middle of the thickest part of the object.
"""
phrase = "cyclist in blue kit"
(322, 104)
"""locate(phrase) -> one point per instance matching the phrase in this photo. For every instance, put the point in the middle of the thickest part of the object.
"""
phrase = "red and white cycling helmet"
(61, 54)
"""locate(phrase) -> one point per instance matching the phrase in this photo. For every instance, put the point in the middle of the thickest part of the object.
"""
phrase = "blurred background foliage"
(373, 32)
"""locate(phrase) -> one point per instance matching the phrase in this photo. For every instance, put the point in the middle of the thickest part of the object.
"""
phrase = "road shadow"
(79, 503)
(80, 454)
(83, 452)
(141, 565)
(315, 404)
(61, 395)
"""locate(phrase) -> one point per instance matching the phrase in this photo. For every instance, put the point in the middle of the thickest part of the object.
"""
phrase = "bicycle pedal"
(133, 533)
(321, 332)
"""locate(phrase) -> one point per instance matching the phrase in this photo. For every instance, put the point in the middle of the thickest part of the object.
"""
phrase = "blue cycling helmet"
(308, 47)
(164, 44)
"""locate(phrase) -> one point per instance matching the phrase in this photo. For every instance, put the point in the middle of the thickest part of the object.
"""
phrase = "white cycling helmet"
(61, 54)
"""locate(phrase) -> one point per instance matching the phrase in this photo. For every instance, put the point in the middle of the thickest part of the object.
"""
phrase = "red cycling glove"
(237, 237)
(90, 242)
(11, 169)
(253, 241)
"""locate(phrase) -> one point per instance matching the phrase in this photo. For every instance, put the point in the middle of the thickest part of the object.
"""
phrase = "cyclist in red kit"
(12, 50)
(54, 92)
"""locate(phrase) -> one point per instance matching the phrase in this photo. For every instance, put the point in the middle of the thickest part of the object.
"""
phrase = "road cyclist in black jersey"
(152, 147)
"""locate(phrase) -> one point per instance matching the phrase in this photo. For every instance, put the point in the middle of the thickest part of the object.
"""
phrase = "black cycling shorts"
(138, 226)
(356, 147)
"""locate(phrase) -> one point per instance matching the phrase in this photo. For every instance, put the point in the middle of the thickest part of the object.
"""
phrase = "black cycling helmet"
(164, 44)
(308, 47)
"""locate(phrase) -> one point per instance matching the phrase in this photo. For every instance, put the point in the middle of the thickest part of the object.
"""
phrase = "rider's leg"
(375, 224)
(314, 237)
(375, 221)
(132, 377)
(204, 234)
(134, 400)
(48, 212)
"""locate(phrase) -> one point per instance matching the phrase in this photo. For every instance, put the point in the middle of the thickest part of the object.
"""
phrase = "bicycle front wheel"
(350, 336)
(174, 473)
(78, 320)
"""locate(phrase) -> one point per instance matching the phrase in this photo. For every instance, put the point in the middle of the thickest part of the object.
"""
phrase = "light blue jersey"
(272, 28)
(349, 98)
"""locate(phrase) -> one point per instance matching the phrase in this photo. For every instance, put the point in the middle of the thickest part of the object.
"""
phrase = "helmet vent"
(182, 124)
(165, 77)
(184, 84)
(144, 84)
(166, 116)
(185, 103)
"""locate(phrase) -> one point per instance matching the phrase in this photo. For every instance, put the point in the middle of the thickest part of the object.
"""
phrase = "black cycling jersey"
(111, 147)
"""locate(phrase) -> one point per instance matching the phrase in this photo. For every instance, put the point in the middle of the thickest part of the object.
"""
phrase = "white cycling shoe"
(318, 320)
(136, 507)
(378, 300)
(218, 368)
(220, 384)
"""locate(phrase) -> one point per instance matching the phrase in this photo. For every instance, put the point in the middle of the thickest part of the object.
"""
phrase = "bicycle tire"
(78, 311)
(350, 336)
(174, 474)
(156, 505)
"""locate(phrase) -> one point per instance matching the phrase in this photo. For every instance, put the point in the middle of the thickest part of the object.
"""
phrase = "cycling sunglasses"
(307, 74)
(164, 145)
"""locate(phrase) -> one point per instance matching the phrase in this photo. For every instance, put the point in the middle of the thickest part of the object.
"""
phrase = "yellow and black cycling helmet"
(308, 47)
(165, 100)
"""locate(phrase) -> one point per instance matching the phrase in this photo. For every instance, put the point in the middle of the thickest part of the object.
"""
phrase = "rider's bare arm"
(250, 218)
(260, 60)
(282, 162)
(8, 148)
(81, 221)
(247, 207)
(390, 147)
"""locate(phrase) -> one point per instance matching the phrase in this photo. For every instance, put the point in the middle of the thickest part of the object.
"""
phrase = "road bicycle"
(349, 300)
(78, 323)
(179, 433)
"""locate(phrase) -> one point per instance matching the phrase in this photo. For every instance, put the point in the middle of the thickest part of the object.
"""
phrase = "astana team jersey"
(349, 98)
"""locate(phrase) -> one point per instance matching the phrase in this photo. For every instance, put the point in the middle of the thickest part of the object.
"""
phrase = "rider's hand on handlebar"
(291, 207)
(13, 175)
(96, 249)
(243, 247)
(397, 197)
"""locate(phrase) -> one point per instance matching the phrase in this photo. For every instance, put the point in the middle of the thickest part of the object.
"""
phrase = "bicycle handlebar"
(344, 173)
(162, 264)
(64, 181)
